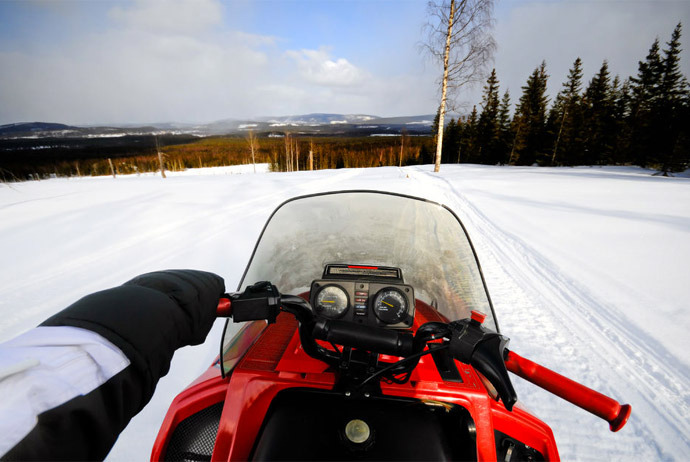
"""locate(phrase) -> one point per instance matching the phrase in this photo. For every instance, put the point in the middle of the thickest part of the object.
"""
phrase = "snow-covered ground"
(588, 269)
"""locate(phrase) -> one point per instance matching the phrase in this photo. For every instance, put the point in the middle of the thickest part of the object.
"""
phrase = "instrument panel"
(367, 295)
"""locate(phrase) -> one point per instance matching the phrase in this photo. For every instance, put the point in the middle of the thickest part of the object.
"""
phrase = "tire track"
(601, 347)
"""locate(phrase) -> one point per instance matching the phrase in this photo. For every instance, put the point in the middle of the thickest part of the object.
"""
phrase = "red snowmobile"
(388, 349)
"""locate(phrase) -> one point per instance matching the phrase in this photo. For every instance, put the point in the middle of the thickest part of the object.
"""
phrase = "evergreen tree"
(682, 148)
(531, 119)
(434, 125)
(645, 92)
(670, 106)
(505, 132)
(621, 111)
(488, 132)
(565, 120)
(469, 148)
(599, 122)
(451, 142)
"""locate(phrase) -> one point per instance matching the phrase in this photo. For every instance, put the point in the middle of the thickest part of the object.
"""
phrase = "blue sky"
(100, 62)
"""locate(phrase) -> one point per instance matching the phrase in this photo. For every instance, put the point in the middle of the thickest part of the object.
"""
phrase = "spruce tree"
(645, 95)
(505, 132)
(669, 106)
(469, 147)
(565, 120)
(599, 122)
(531, 119)
(434, 125)
(621, 111)
(488, 127)
(451, 141)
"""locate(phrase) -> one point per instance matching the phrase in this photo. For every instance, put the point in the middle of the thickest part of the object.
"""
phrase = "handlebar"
(469, 343)
(591, 401)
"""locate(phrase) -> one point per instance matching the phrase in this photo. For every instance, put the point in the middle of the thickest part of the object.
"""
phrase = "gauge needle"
(327, 301)
(387, 303)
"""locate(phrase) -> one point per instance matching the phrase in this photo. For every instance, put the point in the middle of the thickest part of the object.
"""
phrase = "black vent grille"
(194, 437)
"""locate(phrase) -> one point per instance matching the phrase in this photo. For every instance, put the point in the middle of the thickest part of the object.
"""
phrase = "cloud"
(316, 66)
(169, 16)
(139, 70)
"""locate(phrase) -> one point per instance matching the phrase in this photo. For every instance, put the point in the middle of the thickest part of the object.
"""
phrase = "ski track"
(584, 338)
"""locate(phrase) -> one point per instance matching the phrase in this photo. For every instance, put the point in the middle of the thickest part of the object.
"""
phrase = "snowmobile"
(368, 334)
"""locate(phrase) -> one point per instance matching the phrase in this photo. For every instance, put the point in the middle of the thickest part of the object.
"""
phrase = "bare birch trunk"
(444, 89)
(251, 139)
(402, 144)
(161, 163)
(311, 154)
(112, 169)
(287, 152)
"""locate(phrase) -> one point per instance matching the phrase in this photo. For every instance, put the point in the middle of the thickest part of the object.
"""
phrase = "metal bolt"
(347, 393)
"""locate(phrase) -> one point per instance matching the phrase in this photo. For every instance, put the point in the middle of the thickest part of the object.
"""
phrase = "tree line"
(643, 120)
(283, 152)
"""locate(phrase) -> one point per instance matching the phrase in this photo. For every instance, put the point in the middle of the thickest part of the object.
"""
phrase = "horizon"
(197, 62)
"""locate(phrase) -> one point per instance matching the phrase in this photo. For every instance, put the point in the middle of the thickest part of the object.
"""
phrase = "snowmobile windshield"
(424, 239)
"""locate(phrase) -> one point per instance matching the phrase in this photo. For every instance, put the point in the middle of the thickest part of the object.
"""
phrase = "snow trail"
(549, 315)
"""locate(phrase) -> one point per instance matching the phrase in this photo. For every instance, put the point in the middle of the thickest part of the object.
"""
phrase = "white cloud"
(318, 67)
(148, 73)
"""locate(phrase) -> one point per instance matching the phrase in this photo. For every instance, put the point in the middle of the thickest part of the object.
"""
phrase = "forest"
(643, 120)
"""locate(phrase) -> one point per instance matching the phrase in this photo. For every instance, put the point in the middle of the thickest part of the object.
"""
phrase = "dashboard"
(368, 295)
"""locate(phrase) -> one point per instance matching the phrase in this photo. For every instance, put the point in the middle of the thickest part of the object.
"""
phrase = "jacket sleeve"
(147, 319)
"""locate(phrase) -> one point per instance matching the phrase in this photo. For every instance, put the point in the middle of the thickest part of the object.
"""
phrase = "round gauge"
(331, 302)
(390, 306)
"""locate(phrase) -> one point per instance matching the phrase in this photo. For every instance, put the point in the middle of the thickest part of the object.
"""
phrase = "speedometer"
(332, 302)
(390, 306)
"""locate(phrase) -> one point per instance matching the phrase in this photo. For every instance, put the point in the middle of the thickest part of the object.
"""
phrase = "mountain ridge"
(312, 123)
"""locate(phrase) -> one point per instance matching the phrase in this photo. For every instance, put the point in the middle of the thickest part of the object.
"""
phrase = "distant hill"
(33, 127)
(311, 124)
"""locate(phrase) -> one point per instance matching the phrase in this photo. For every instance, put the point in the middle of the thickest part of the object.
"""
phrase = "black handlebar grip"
(376, 339)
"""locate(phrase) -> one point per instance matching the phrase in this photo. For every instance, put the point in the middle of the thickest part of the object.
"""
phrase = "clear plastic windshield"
(422, 238)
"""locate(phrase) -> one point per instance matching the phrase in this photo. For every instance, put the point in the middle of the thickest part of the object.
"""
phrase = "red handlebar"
(592, 401)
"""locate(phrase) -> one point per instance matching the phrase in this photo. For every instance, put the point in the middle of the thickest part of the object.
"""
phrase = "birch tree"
(161, 161)
(253, 146)
(459, 37)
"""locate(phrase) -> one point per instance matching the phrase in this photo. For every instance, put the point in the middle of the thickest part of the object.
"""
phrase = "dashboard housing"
(362, 284)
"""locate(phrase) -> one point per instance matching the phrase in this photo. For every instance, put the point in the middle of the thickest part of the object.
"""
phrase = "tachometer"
(331, 302)
(390, 306)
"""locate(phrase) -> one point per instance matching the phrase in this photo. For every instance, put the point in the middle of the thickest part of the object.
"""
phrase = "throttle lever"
(484, 350)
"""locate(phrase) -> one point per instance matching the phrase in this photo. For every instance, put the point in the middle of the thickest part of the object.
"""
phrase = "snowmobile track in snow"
(594, 341)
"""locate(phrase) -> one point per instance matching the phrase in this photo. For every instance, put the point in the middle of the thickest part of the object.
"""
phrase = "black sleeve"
(147, 318)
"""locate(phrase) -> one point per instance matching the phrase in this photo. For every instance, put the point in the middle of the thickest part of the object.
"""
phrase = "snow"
(587, 268)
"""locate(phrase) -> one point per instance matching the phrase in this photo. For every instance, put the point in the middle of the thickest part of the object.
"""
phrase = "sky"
(199, 61)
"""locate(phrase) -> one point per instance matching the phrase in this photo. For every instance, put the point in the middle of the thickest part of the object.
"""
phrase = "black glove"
(147, 318)
(150, 317)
